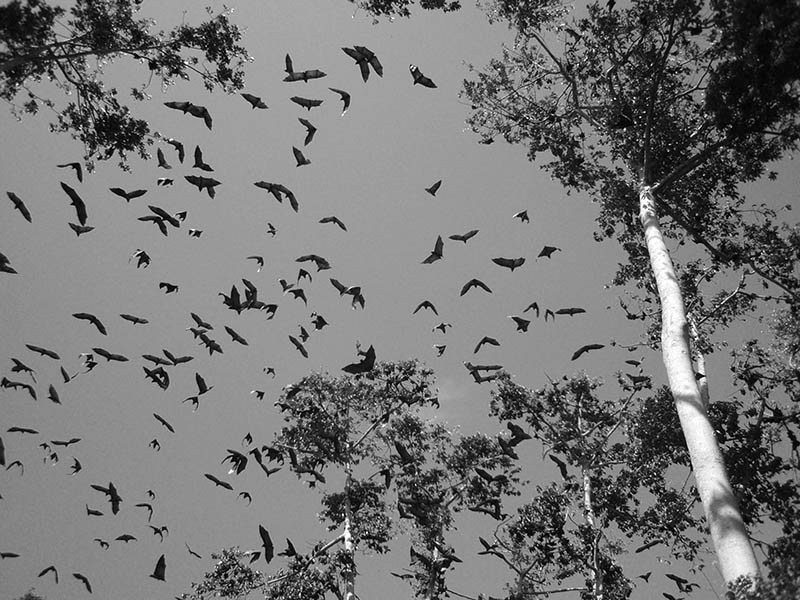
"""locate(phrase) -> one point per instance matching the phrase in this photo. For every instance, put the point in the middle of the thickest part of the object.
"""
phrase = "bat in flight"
(420, 78)
(77, 202)
(255, 101)
(307, 103)
(458, 237)
(84, 316)
(365, 365)
(509, 263)
(128, 196)
(299, 157)
(305, 76)
(159, 572)
(201, 112)
(437, 252)
(345, 98)
(310, 130)
(365, 58)
(434, 188)
(207, 183)
(474, 283)
(75, 166)
(20, 206)
(584, 349)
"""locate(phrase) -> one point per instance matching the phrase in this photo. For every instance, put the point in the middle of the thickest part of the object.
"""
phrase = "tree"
(657, 102)
(368, 427)
(43, 42)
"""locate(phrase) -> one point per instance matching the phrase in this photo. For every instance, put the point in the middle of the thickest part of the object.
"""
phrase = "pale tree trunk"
(588, 511)
(699, 364)
(728, 533)
(349, 573)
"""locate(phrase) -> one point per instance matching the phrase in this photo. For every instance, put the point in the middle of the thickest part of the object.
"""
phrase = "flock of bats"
(159, 368)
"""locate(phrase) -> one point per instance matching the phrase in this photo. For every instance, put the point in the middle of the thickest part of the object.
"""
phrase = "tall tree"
(658, 108)
(70, 47)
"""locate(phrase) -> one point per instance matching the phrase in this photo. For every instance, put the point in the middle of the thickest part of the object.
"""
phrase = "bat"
(134, 319)
(92, 512)
(199, 163)
(305, 75)
(77, 202)
(522, 216)
(255, 101)
(84, 580)
(426, 304)
(164, 422)
(437, 252)
(322, 263)
(20, 206)
(76, 466)
(419, 78)
(442, 327)
(266, 543)
(562, 466)
(80, 229)
(548, 251)
(521, 323)
(345, 98)
(92, 319)
(219, 482)
(164, 181)
(65, 443)
(155, 445)
(49, 569)
(128, 196)
(202, 387)
(125, 537)
(113, 497)
(570, 311)
(200, 182)
(299, 157)
(365, 365)
(109, 356)
(310, 130)
(464, 237)
(168, 288)
(306, 103)
(474, 283)
(192, 552)
(333, 219)
(371, 59)
(485, 340)
(43, 351)
(318, 321)
(236, 337)
(160, 570)
(162, 160)
(299, 345)
(278, 190)
(201, 112)
(20, 367)
(362, 61)
(178, 147)
(5, 265)
(584, 349)
(533, 306)
(75, 166)
(7, 383)
(440, 348)
(509, 263)
(518, 434)
(160, 212)
(434, 188)
(195, 233)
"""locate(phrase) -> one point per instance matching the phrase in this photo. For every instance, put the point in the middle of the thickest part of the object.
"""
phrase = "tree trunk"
(728, 533)
(349, 573)
(588, 512)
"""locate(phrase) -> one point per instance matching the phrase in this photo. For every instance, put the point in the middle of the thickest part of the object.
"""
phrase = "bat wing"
(20, 205)
(164, 422)
(299, 345)
(266, 542)
(77, 202)
(160, 569)
(584, 349)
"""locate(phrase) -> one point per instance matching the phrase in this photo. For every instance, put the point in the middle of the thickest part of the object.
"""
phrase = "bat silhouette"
(305, 75)
(345, 98)
(77, 202)
(178, 147)
(238, 462)
(365, 365)
(52, 394)
(212, 345)
(128, 196)
(201, 112)
(192, 552)
(255, 101)
(518, 434)
(522, 216)
(322, 263)
(125, 537)
(288, 62)
(437, 252)
(103, 544)
(440, 348)
(549, 313)
(218, 482)
(474, 283)
(148, 508)
(162, 160)
(509, 263)
(200, 322)
(584, 349)
(155, 445)
(333, 219)
(364, 58)
(266, 543)
(235, 336)
(426, 304)
(92, 512)
(310, 130)
(299, 345)
(169, 288)
(533, 306)
(161, 213)
(299, 157)
(442, 327)
(562, 466)
(547, 251)
(92, 319)
(278, 190)
(84, 580)
(80, 229)
(113, 497)
(8, 384)
(43, 351)
(164, 181)
(306, 103)
(75, 166)
(76, 466)
(485, 340)
(5, 265)
(21, 367)
(419, 78)
(160, 570)
(20, 206)
(318, 321)
(164, 422)
(570, 311)
(134, 319)
(520, 322)
(207, 183)
(195, 233)
(464, 237)
(434, 188)
(109, 356)
(199, 163)
(158, 376)
(65, 443)
(49, 569)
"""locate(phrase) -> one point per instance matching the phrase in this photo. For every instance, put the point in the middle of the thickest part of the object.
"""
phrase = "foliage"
(402, 8)
(231, 578)
(70, 48)
(30, 595)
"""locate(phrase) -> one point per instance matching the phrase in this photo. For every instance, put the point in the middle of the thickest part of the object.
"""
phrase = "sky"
(369, 167)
